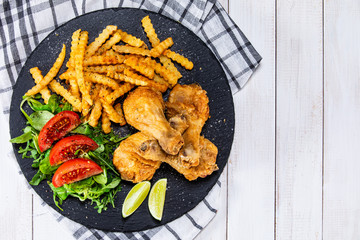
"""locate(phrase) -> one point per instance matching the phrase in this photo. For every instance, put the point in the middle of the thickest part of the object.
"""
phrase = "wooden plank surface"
(251, 173)
(299, 120)
(342, 118)
(217, 228)
(273, 186)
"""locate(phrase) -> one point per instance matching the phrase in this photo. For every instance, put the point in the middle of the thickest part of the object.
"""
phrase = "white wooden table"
(294, 170)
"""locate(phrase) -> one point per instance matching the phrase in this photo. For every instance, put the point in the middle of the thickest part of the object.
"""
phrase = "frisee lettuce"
(100, 189)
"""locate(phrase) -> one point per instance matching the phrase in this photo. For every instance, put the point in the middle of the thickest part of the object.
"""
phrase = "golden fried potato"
(102, 79)
(130, 39)
(150, 31)
(186, 63)
(96, 110)
(131, 50)
(126, 87)
(105, 123)
(74, 44)
(45, 92)
(161, 47)
(106, 68)
(109, 43)
(103, 60)
(94, 46)
(169, 76)
(50, 75)
(79, 71)
(135, 63)
(140, 80)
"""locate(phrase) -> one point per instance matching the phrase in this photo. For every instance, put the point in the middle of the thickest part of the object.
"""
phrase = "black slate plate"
(181, 195)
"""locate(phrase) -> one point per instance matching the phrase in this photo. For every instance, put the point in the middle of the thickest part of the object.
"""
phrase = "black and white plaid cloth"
(25, 23)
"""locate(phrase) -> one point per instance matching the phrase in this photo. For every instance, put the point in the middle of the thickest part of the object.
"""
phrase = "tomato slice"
(75, 170)
(66, 148)
(57, 127)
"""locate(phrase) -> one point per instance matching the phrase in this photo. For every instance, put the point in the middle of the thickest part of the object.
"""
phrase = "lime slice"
(157, 199)
(135, 197)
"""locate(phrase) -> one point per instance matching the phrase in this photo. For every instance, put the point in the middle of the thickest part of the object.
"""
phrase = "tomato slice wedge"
(75, 170)
(57, 127)
(66, 148)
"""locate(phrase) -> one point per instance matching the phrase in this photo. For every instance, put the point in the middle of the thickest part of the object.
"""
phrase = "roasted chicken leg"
(144, 110)
(131, 166)
(148, 148)
(190, 101)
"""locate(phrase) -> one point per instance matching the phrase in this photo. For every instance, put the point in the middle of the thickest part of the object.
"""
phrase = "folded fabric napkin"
(25, 24)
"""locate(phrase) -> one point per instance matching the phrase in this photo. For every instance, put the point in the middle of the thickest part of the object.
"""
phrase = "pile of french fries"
(100, 72)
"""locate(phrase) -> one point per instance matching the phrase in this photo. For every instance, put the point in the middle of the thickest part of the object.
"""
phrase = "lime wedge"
(157, 199)
(135, 197)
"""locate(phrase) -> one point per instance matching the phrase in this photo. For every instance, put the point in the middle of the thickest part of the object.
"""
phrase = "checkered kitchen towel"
(25, 23)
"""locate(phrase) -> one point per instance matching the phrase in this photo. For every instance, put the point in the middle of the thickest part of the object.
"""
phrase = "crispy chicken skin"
(138, 156)
(131, 166)
(207, 162)
(192, 102)
(149, 148)
(144, 110)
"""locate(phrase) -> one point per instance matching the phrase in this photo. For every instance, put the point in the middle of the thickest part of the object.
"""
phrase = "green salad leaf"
(100, 189)
(40, 118)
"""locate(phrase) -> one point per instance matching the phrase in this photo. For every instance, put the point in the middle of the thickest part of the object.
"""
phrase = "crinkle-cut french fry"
(95, 91)
(160, 80)
(168, 64)
(161, 47)
(95, 113)
(106, 68)
(135, 63)
(96, 110)
(150, 31)
(162, 71)
(85, 107)
(105, 123)
(79, 69)
(131, 50)
(126, 87)
(109, 109)
(154, 40)
(70, 73)
(119, 110)
(130, 39)
(117, 76)
(104, 60)
(113, 115)
(74, 44)
(50, 75)
(109, 43)
(183, 61)
(74, 87)
(102, 79)
(136, 79)
(37, 75)
(95, 45)
(57, 88)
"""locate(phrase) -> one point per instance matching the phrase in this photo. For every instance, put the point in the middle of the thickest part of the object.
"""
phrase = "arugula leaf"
(53, 103)
(22, 138)
(25, 99)
(82, 129)
(38, 177)
(40, 118)
(44, 165)
(101, 178)
(103, 161)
